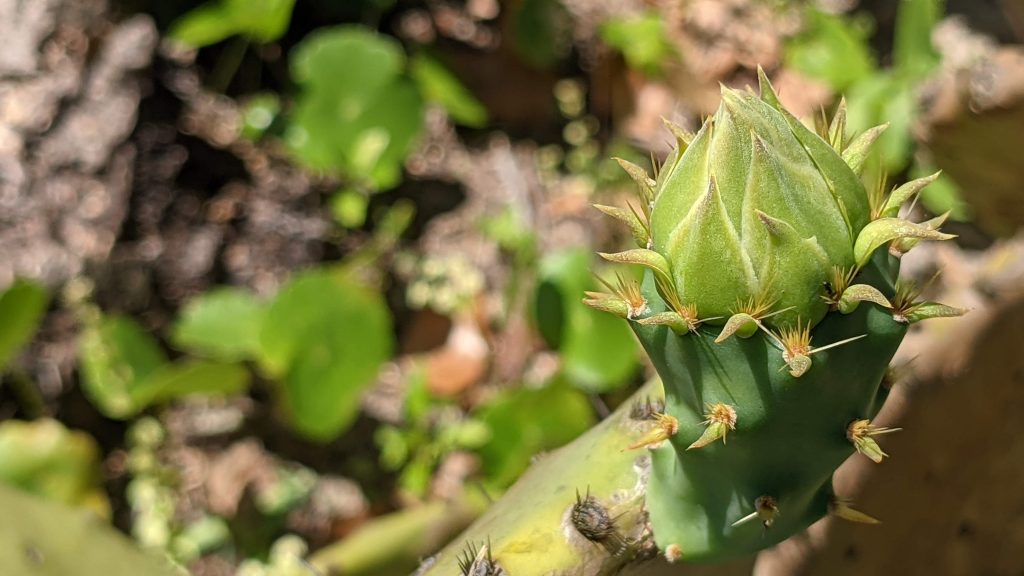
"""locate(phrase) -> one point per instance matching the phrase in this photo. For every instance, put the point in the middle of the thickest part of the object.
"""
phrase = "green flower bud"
(757, 208)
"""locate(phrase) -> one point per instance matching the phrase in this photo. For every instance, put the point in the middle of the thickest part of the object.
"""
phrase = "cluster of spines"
(841, 291)
(475, 561)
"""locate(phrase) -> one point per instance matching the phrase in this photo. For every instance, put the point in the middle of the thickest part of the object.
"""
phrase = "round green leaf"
(325, 339)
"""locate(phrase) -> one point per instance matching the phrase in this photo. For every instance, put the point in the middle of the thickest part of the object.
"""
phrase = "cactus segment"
(759, 210)
(695, 496)
(763, 226)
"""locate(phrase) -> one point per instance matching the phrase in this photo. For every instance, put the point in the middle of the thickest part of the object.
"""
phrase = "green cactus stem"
(770, 309)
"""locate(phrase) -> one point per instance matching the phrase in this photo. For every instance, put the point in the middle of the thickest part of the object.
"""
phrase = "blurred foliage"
(124, 370)
(598, 354)
(55, 540)
(835, 49)
(360, 108)
(527, 421)
(257, 20)
(45, 458)
(433, 427)
(832, 48)
(357, 113)
(439, 86)
(221, 324)
(348, 101)
(539, 32)
(21, 307)
(641, 40)
(324, 338)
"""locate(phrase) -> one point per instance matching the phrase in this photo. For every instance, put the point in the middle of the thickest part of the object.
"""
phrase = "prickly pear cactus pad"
(770, 309)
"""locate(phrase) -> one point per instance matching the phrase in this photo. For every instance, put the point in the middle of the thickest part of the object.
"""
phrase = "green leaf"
(831, 48)
(357, 114)
(440, 86)
(325, 339)
(943, 195)
(912, 52)
(258, 20)
(641, 40)
(45, 458)
(187, 378)
(115, 355)
(885, 96)
(598, 350)
(527, 421)
(22, 307)
(203, 26)
(50, 539)
(539, 32)
(348, 206)
(260, 114)
(261, 20)
(222, 324)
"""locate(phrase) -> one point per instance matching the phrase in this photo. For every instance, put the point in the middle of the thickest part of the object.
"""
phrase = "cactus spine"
(770, 309)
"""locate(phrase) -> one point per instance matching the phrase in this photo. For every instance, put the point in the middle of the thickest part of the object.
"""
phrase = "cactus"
(770, 310)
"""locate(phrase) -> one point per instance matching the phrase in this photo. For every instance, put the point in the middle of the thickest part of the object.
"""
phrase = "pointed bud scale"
(683, 138)
(720, 419)
(623, 292)
(860, 147)
(608, 303)
(837, 129)
(639, 230)
(665, 427)
(845, 510)
(860, 433)
(928, 310)
(767, 90)
(742, 324)
(643, 257)
(901, 246)
(888, 229)
(858, 293)
(639, 175)
(673, 320)
(899, 196)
